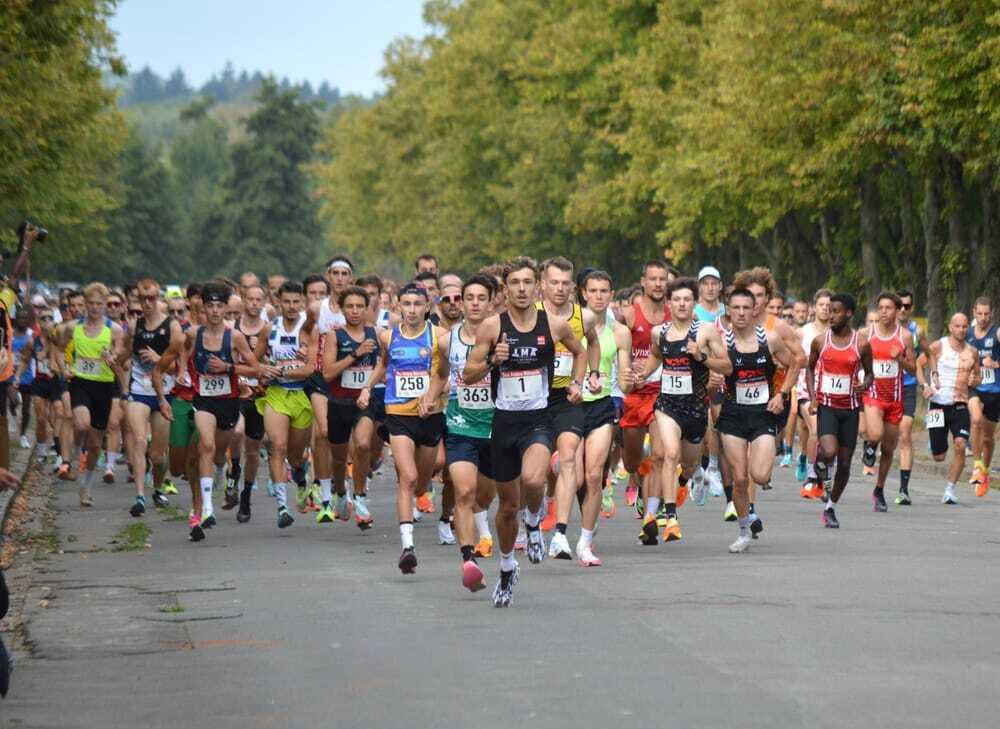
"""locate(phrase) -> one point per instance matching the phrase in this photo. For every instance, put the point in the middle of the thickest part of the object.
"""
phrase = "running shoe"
(640, 508)
(661, 516)
(549, 522)
(139, 507)
(682, 495)
(159, 500)
(85, 498)
(521, 541)
(503, 593)
(425, 503)
(285, 518)
(806, 489)
(608, 506)
(559, 547)
(314, 502)
(407, 561)
(445, 534)
(672, 531)
(714, 477)
(949, 496)
(818, 490)
(802, 468)
(168, 487)
(756, 526)
(983, 487)
(342, 507)
(485, 547)
(473, 578)
(362, 517)
(269, 486)
(631, 493)
(585, 555)
(741, 545)
(324, 515)
(699, 488)
(536, 545)
(25, 443)
(300, 499)
(786, 461)
(730, 513)
(903, 499)
(109, 476)
(230, 498)
(868, 459)
(208, 522)
(62, 472)
(766, 486)
(243, 513)
(868, 470)
(829, 519)
(878, 502)
(196, 533)
(649, 534)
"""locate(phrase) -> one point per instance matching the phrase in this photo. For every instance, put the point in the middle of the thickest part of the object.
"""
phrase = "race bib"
(563, 364)
(356, 378)
(935, 418)
(215, 385)
(184, 378)
(752, 393)
(249, 381)
(42, 367)
(836, 384)
(475, 397)
(521, 386)
(412, 384)
(989, 376)
(886, 369)
(88, 366)
(675, 383)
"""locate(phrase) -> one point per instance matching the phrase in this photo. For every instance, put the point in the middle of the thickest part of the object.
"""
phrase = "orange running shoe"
(425, 504)
(63, 473)
(818, 492)
(549, 522)
(672, 531)
(978, 471)
(682, 495)
(983, 486)
(805, 491)
(485, 547)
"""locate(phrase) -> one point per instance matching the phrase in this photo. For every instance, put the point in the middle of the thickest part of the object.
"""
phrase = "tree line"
(849, 144)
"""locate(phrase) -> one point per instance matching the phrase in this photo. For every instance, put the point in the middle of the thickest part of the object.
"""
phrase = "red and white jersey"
(836, 372)
(888, 383)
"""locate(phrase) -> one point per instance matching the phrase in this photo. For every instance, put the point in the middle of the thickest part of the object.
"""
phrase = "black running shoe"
(756, 526)
(138, 508)
(159, 500)
(243, 515)
(878, 501)
(208, 522)
(503, 593)
(408, 561)
(868, 456)
(230, 498)
(830, 519)
(285, 519)
(196, 533)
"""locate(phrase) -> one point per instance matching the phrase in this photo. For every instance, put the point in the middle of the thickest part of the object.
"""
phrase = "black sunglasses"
(907, 306)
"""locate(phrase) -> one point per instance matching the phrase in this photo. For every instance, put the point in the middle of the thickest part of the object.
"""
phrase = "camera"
(20, 230)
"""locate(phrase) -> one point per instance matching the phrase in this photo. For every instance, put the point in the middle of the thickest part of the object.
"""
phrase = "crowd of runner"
(535, 386)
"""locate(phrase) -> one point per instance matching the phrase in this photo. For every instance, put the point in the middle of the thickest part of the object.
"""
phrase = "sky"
(340, 41)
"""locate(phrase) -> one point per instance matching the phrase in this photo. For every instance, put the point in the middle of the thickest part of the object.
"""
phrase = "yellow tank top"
(563, 369)
(88, 359)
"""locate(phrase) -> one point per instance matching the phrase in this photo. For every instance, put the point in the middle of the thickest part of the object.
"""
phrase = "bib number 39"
(935, 418)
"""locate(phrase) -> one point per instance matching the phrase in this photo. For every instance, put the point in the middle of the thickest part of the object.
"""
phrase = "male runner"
(687, 351)
(750, 419)
(415, 357)
(707, 311)
(425, 263)
(517, 347)
(350, 357)
(920, 344)
(892, 353)
(567, 417)
(599, 414)
(984, 402)
(286, 350)
(835, 358)
(469, 420)
(954, 373)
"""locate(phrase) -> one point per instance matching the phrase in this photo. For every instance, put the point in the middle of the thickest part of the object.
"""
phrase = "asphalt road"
(892, 621)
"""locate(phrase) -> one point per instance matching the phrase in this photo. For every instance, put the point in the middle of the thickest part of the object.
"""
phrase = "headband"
(340, 264)
(215, 296)
(414, 289)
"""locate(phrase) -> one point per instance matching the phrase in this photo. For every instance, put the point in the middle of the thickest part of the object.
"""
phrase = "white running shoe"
(730, 513)
(586, 556)
(741, 544)
(714, 478)
(445, 535)
(699, 487)
(559, 547)
(536, 546)
(521, 542)
(417, 515)
(25, 443)
(949, 496)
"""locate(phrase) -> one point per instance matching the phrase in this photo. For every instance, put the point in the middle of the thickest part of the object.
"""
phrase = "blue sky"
(340, 41)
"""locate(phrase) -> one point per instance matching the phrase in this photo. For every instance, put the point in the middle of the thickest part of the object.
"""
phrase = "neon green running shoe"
(168, 486)
(325, 515)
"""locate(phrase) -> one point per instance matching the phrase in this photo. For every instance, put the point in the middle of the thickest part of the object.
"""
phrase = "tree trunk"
(933, 248)
(988, 238)
(958, 237)
(908, 236)
(869, 235)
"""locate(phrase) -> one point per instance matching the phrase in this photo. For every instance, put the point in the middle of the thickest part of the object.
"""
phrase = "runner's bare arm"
(865, 349)
(648, 367)
(791, 340)
(562, 333)
(623, 340)
(479, 361)
(908, 357)
(247, 361)
(593, 342)
(814, 350)
(717, 356)
(787, 359)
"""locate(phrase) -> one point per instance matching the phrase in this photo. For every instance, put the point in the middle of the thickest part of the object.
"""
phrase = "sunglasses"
(135, 312)
(178, 310)
(907, 306)
(149, 297)
(451, 299)
(115, 304)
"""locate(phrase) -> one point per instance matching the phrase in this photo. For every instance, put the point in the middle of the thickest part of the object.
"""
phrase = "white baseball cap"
(709, 271)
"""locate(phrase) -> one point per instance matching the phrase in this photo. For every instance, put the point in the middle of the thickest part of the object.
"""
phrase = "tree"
(176, 85)
(146, 86)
